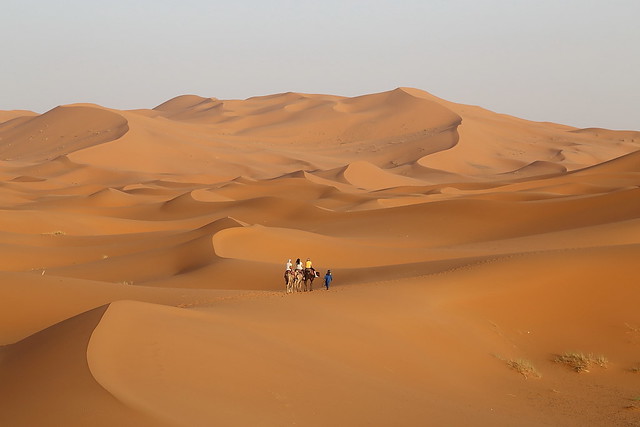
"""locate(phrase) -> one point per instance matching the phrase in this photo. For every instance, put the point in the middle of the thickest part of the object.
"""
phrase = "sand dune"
(61, 131)
(621, 135)
(250, 244)
(367, 176)
(6, 116)
(142, 256)
(34, 301)
(491, 142)
(48, 373)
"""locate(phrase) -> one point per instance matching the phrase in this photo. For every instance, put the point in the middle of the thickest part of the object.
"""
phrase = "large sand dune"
(142, 256)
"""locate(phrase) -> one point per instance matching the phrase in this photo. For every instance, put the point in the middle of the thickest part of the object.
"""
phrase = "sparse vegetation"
(635, 370)
(523, 367)
(581, 362)
(56, 233)
(632, 328)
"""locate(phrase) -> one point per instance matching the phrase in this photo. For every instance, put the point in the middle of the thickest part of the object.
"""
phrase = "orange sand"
(142, 252)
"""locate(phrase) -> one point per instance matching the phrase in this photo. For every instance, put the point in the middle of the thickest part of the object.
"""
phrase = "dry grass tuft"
(632, 328)
(523, 367)
(581, 362)
(55, 233)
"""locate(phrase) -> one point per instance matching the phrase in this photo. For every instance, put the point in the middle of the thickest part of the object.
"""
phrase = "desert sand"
(142, 256)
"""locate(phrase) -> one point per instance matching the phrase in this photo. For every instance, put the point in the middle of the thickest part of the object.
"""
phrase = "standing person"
(327, 279)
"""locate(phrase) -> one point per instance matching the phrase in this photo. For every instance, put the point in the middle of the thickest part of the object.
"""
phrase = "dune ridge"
(142, 256)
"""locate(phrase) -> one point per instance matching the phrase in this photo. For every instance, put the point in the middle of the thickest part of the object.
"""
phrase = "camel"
(288, 281)
(309, 275)
(293, 280)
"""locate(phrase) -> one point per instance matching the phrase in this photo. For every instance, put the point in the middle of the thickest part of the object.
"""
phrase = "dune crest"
(364, 175)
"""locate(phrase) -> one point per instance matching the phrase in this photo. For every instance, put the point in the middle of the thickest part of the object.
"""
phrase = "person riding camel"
(287, 270)
(308, 268)
(298, 264)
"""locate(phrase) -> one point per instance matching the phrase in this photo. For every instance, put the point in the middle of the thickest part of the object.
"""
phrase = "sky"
(575, 62)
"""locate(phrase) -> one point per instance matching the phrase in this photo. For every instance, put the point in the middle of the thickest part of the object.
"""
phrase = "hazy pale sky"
(575, 62)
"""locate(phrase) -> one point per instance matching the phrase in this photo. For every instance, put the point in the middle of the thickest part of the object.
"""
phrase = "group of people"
(308, 268)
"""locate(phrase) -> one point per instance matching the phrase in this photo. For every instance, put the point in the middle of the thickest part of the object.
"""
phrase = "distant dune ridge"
(142, 255)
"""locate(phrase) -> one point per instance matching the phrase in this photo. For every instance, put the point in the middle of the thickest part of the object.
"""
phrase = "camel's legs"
(299, 281)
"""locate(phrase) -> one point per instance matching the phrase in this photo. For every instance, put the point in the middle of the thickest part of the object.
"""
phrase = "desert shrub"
(523, 367)
(581, 362)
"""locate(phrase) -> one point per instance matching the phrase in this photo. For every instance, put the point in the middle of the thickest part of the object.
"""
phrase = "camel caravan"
(300, 279)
